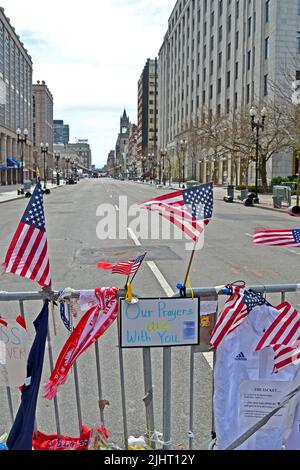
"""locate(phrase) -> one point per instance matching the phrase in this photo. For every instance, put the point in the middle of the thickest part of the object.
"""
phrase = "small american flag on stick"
(124, 267)
(288, 237)
(189, 210)
(27, 255)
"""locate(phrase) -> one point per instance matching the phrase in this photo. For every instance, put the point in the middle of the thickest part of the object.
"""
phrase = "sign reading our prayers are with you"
(160, 323)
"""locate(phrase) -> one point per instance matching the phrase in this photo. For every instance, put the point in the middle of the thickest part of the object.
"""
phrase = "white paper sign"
(258, 398)
(160, 323)
(14, 359)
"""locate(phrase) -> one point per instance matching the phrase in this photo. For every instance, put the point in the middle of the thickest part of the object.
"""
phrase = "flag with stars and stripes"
(27, 255)
(189, 209)
(284, 337)
(288, 237)
(237, 308)
(124, 267)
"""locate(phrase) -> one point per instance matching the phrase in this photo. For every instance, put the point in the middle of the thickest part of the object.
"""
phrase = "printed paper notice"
(258, 398)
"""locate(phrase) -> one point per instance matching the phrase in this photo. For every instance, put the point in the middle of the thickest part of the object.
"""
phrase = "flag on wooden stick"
(27, 255)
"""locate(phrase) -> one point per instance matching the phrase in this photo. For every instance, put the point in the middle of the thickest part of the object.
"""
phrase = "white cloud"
(91, 55)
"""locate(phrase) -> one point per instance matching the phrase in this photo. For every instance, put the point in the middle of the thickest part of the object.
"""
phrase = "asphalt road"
(228, 255)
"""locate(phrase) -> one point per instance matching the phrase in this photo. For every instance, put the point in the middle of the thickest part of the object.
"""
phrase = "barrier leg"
(123, 391)
(192, 377)
(77, 391)
(167, 397)
(100, 394)
(148, 400)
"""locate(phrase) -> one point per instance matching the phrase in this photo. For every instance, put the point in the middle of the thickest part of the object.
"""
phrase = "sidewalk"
(266, 200)
(10, 193)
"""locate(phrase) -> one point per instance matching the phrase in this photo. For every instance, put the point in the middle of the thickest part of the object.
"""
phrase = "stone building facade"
(42, 112)
(220, 56)
(15, 104)
(148, 116)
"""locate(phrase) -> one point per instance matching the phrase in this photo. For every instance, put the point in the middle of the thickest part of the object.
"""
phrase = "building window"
(266, 85)
(228, 106)
(268, 10)
(219, 85)
(248, 94)
(211, 92)
(298, 42)
(249, 26)
(236, 70)
(220, 60)
(249, 60)
(228, 79)
(267, 42)
(229, 51)
(237, 40)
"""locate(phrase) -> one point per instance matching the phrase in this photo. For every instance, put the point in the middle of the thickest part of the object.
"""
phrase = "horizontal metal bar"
(267, 289)
(16, 296)
(264, 289)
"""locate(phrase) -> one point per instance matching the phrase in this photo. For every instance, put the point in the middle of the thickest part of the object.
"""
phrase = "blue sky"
(91, 58)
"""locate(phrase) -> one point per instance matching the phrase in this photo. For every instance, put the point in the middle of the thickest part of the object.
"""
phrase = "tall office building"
(61, 132)
(148, 113)
(42, 104)
(220, 56)
(122, 144)
(15, 104)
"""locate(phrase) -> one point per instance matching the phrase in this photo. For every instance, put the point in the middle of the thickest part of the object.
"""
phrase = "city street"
(228, 255)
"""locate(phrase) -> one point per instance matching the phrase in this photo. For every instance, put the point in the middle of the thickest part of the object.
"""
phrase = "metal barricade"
(147, 368)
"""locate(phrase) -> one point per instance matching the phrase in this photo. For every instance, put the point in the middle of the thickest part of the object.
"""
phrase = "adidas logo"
(241, 357)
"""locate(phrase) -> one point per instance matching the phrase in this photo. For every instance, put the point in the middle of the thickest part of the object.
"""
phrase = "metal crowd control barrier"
(147, 366)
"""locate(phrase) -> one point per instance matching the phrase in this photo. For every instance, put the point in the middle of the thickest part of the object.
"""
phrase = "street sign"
(159, 323)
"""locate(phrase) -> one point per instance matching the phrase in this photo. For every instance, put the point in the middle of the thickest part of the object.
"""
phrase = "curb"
(260, 206)
(16, 198)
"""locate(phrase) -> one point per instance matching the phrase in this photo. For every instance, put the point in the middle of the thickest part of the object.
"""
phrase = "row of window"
(186, 17)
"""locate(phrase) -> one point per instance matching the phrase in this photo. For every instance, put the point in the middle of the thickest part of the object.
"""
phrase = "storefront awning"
(13, 163)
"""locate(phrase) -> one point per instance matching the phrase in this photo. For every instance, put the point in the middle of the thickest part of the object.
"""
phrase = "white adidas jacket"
(237, 361)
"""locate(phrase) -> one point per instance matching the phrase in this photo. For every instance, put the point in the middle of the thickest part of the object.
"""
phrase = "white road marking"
(161, 279)
(166, 287)
(134, 237)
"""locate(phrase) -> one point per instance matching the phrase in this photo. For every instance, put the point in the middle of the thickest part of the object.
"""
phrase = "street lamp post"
(57, 157)
(258, 125)
(22, 139)
(183, 144)
(163, 154)
(67, 162)
(143, 159)
(151, 159)
(44, 151)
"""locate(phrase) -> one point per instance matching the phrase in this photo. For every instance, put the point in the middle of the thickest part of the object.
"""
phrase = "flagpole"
(137, 270)
(190, 264)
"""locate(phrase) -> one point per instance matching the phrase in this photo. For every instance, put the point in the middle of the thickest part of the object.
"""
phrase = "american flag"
(189, 209)
(284, 331)
(27, 255)
(124, 267)
(284, 337)
(285, 356)
(289, 237)
(237, 308)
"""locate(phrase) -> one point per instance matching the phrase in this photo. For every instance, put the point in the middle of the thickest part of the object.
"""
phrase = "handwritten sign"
(13, 347)
(159, 323)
